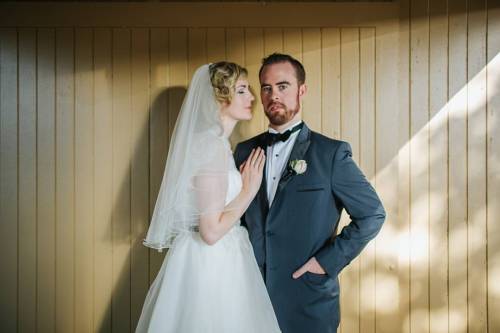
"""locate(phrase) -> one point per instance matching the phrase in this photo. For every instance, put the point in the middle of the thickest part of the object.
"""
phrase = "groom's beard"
(284, 115)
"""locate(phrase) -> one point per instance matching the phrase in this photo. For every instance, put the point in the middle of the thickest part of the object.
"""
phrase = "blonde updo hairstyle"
(223, 76)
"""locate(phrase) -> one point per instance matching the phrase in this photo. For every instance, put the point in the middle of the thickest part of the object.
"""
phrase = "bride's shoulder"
(210, 146)
(210, 139)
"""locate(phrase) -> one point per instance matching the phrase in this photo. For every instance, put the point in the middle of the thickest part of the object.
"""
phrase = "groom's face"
(280, 93)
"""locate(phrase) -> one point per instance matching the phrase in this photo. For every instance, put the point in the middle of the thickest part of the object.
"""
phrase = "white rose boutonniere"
(299, 166)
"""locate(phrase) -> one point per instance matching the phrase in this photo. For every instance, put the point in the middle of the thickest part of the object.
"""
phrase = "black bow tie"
(272, 138)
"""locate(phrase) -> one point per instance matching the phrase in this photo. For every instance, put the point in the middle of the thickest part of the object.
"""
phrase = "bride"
(209, 280)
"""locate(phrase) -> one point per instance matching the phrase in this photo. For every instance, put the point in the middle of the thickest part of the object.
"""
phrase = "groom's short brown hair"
(275, 58)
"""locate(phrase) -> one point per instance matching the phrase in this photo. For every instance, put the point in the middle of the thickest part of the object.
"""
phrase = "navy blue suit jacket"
(302, 222)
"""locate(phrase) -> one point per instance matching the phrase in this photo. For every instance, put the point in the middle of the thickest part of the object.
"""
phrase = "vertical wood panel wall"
(448, 165)
(86, 115)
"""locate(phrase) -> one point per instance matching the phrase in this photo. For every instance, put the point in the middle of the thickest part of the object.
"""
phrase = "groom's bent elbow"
(374, 220)
(379, 217)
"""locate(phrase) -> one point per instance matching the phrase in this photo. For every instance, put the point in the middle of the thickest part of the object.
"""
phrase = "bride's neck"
(228, 125)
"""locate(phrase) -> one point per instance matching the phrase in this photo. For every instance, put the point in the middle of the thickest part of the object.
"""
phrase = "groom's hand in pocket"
(312, 265)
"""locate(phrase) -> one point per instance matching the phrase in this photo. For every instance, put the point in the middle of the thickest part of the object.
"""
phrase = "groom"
(292, 222)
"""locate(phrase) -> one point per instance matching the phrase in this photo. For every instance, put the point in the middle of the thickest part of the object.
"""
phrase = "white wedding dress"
(210, 289)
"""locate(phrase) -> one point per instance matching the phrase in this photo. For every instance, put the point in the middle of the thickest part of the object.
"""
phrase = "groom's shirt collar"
(277, 156)
(272, 130)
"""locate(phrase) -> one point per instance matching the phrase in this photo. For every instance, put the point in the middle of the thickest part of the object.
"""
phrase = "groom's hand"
(312, 265)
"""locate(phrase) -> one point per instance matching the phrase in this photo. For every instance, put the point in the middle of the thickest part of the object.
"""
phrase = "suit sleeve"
(236, 156)
(237, 162)
(356, 195)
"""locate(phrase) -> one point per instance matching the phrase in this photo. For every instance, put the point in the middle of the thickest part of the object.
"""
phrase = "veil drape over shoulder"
(196, 173)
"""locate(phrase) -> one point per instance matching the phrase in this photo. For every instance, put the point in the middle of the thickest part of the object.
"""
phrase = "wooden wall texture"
(449, 171)
(86, 113)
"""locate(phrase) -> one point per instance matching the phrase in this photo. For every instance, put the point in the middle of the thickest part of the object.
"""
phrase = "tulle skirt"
(209, 289)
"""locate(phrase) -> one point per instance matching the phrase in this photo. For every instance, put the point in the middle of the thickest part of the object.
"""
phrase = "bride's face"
(240, 107)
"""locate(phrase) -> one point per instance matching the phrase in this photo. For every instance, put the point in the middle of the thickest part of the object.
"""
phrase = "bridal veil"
(196, 172)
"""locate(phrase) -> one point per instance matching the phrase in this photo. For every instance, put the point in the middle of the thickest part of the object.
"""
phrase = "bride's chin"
(248, 116)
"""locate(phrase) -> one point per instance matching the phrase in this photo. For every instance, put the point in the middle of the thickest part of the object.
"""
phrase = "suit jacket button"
(269, 233)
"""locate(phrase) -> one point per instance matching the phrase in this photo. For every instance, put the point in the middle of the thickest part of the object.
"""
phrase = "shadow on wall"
(127, 228)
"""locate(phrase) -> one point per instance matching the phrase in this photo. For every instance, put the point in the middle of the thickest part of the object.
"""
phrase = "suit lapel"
(262, 194)
(298, 152)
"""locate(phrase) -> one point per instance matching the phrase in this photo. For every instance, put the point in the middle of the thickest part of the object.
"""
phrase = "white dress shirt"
(277, 157)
